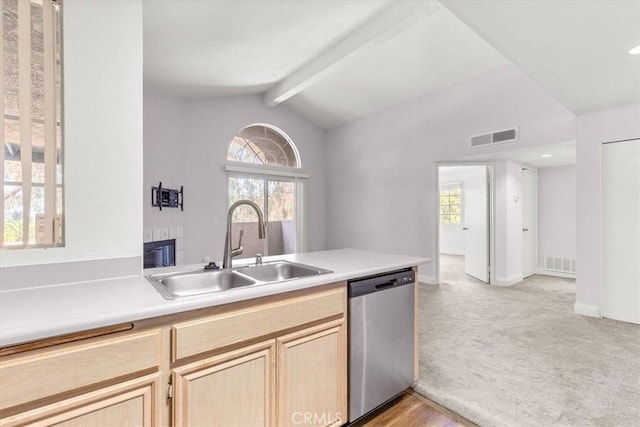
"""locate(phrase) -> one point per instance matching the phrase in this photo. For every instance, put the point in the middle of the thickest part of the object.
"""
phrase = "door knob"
(464, 228)
(525, 229)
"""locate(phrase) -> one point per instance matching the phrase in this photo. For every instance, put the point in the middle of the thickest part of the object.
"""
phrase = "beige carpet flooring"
(519, 356)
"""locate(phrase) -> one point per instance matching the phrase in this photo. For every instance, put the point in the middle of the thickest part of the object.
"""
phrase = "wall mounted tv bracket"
(166, 197)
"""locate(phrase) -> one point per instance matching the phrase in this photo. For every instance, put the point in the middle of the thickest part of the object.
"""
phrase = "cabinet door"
(232, 389)
(312, 376)
(131, 403)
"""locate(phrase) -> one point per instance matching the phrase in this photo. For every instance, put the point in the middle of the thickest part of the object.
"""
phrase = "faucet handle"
(240, 239)
(258, 259)
(238, 251)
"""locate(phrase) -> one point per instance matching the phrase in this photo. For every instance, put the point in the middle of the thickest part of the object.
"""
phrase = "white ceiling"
(334, 61)
(198, 48)
(430, 53)
(575, 49)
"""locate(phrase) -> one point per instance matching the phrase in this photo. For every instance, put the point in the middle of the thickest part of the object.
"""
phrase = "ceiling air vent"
(499, 137)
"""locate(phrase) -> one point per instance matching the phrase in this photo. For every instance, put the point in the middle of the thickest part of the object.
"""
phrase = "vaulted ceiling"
(335, 61)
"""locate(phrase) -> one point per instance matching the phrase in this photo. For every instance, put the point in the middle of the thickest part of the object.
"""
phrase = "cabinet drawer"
(27, 378)
(198, 336)
(131, 403)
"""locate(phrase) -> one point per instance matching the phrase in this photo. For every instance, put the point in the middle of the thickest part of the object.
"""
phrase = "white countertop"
(46, 311)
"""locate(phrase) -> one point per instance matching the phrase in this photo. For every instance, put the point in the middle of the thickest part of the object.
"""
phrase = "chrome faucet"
(229, 253)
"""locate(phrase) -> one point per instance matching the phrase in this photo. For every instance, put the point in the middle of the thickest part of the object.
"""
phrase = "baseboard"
(430, 280)
(586, 310)
(544, 272)
(454, 252)
(508, 281)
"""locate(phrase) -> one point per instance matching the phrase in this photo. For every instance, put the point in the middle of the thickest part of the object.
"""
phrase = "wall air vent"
(558, 264)
(499, 137)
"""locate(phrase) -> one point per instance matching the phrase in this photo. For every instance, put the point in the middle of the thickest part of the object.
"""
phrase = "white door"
(476, 224)
(621, 230)
(529, 222)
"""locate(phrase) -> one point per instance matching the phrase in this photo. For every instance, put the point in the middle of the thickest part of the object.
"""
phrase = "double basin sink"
(196, 282)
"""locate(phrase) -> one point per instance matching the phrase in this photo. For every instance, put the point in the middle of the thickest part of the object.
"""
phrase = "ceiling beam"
(396, 16)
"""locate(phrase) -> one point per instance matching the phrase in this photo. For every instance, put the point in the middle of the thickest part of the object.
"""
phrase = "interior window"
(31, 124)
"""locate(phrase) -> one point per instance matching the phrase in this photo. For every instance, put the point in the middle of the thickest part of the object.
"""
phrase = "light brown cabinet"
(130, 403)
(104, 380)
(297, 376)
(275, 361)
(312, 376)
(236, 388)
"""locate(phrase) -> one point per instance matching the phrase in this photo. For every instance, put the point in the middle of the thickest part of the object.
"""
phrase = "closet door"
(621, 230)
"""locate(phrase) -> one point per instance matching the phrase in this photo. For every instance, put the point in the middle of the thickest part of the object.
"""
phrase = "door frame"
(491, 213)
(532, 169)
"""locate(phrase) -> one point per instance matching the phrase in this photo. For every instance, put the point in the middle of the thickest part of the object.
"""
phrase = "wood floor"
(413, 410)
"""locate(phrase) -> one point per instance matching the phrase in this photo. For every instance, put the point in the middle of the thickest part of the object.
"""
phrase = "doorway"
(464, 229)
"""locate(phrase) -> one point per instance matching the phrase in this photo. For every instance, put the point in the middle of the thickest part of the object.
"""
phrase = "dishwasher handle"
(389, 284)
(368, 285)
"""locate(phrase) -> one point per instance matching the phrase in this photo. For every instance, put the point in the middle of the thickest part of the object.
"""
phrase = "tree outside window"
(450, 205)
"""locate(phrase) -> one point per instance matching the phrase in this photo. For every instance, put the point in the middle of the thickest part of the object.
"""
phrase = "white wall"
(452, 239)
(508, 222)
(164, 154)
(102, 135)
(380, 169)
(556, 212)
(592, 130)
(164, 160)
(210, 124)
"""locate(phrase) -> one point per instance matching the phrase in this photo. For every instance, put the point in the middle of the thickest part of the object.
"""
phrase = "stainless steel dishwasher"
(381, 340)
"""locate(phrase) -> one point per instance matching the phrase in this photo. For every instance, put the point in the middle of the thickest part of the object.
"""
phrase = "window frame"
(300, 182)
(450, 186)
(279, 132)
(295, 174)
(53, 128)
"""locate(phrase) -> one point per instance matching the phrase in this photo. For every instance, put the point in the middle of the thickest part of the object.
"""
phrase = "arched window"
(279, 191)
(263, 145)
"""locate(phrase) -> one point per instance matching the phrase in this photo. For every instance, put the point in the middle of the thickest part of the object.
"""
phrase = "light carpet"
(519, 356)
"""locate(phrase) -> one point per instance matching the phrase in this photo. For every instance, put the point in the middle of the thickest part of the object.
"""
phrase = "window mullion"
(265, 243)
(2, 61)
(24, 72)
(49, 120)
(302, 229)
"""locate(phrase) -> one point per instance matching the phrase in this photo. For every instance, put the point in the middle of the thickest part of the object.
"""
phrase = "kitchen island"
(46, 311)
(116, 350)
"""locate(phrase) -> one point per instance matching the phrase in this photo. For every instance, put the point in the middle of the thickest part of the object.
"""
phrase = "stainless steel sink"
(278, 271)
(187, 283)
(182, 284)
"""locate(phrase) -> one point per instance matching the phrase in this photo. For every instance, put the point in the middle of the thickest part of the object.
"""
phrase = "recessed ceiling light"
(634, 51)
(546, 155)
